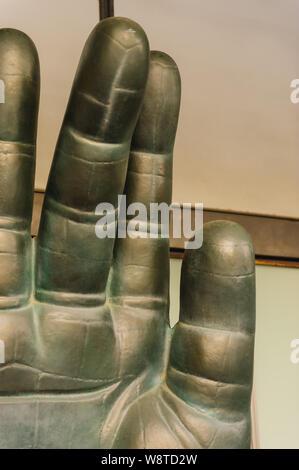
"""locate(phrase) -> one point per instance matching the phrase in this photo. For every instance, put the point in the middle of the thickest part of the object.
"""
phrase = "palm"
(88, 365)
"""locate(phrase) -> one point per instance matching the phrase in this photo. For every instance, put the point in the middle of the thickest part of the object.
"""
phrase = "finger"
(141, 265)
(90, 163)
(211, 359)
(19, 75)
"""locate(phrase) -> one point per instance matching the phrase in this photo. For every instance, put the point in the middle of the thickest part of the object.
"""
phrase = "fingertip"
(123, 30)
(18, 54)
(157, 125)
(20, 76)
(227, 249)
(218, 279)
(110, 81)
(162, 58)
(220, 231)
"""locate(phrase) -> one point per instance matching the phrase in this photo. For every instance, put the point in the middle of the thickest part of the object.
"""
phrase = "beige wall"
(238, 140)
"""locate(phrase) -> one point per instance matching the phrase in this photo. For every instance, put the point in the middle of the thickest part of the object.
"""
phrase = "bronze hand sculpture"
(90, 361)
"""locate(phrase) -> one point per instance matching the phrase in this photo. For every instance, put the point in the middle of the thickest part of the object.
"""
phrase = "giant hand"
(90, 360)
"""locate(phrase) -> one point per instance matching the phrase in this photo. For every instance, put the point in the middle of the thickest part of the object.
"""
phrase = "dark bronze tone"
(106, 8)
(90, 359)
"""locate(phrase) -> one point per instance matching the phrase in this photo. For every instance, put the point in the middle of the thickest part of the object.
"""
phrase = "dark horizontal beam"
(273, 237)
(276, 239)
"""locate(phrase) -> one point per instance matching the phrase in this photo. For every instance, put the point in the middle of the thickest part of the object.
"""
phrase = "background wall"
(276, 378)
(237, 144)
